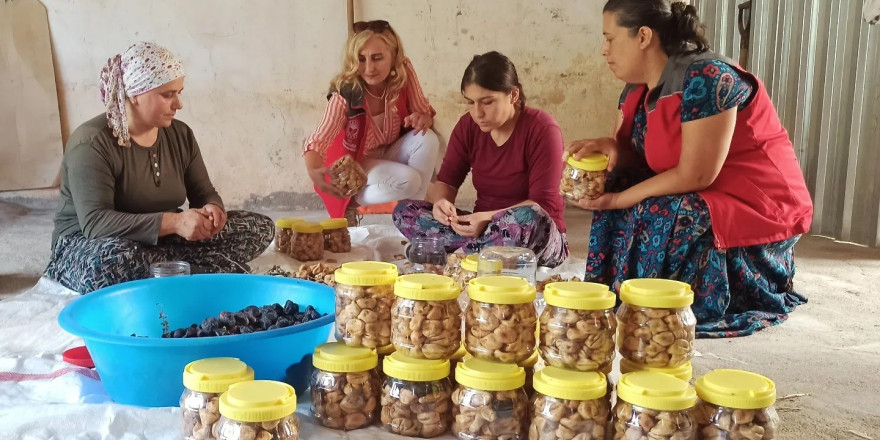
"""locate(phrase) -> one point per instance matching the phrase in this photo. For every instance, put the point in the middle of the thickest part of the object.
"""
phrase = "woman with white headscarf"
(126, 173)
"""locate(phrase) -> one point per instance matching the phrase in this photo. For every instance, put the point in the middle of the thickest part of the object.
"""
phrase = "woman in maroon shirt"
(515, 154)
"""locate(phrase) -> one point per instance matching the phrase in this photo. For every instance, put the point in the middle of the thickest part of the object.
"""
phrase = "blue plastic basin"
(148, 371)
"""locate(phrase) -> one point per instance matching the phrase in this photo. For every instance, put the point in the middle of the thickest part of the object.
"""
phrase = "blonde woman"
(378, 114)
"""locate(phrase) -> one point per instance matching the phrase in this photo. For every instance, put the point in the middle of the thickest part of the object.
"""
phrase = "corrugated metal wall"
(820, 62)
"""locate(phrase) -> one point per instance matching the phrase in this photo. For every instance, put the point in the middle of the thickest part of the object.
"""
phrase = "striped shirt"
(337, 110)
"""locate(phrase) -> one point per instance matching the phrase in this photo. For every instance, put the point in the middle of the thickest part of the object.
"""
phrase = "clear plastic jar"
(489, 402)
(578, 326)
(258, 409)
(204, 381)
(654, 406)
(529, 366)
(513, 261)
(584, 178)
(307, 241)
(364, 297)
(569, 404)
(500, 322)
(347, 176)
(684, 372)
(656, 326)
(416, 396)
(383, 352)
(425, 255)
(283, 233)
(336, 236)
(344, 386)
(425, 317)
(736, 404)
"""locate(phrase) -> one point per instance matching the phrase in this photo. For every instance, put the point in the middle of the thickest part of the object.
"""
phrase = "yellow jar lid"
(417, 370)
(590, 162)
(684, 372)
(460, 353)
(386, 350)
(337, 357)
(501, 289)
(657, 391)
(214, 375)
(366, 273)
(306, 227)
(489, 376)
(334, 223)
(656, 292)
(579, 295)
(470, 263)
(287, 222)
(258, 401)
(530, 361)
(736, 389)
(571, 385)
(426, 287)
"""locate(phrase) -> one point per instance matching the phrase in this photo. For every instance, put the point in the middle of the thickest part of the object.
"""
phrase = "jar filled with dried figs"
(736, 404)
(204, 381)
(500, 322)
(578, 326)
(425, 317)
(684, 372)
(416, 396)
(654, 406)
(307, 241)
(364, 296)
(283, 234)
(336, 236)
(258, 409)
(383, 352)
(347, 176)
(489, 402)
(344, 386)
(584, 178)
(655, 324)
(569, 404)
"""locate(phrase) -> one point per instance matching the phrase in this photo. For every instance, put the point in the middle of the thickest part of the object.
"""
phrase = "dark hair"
(493, 71)
(677, 24)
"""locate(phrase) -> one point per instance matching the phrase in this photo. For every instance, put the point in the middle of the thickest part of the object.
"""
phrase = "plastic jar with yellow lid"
(489, 402)
(570, 404)
(578, 326)
(258, 409)
(655, 406)
(736, 404)
(204, 381)
(655, 324)
(584, 178)
(416, 396)
(283, 233)
(344, 386)
(501, 322)
(336, 236)
(307, 242)
(364, 297)
(425, 317)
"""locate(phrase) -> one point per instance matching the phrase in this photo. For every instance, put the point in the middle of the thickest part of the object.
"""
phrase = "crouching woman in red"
(704, 185)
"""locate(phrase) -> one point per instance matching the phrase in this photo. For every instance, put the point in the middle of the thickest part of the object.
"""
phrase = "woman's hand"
(216, 215)
(471, 225)
(193, 225)
(584, 147)
(604, 202)
(420, 122)
(444, 211)
(318, 178)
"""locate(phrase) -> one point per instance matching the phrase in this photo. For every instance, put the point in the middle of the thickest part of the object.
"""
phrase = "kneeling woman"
(514, 153)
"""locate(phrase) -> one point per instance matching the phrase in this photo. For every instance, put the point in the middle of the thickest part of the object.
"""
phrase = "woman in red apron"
(704, 185)
(376, 113)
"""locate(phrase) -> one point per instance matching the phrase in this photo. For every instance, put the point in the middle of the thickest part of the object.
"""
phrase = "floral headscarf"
(142, 67)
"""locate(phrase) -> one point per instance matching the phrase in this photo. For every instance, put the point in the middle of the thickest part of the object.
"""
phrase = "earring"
(393, 73)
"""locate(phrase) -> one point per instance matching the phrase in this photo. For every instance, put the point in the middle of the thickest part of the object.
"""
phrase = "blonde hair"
(349, 76)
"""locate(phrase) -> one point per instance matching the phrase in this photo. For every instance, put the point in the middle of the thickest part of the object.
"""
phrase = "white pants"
(403, 170)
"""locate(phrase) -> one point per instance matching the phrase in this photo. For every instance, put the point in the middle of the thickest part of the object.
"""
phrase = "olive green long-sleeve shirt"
(112, 191)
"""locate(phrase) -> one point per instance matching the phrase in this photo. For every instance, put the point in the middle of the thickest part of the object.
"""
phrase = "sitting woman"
(124, 175)
(378, 114)
(705, 187)
(515, 155)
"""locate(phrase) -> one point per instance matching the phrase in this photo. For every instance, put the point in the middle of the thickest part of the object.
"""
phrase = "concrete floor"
(824, 360)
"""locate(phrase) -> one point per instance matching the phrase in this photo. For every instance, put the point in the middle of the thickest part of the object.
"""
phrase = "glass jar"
(568, 404)
(489, 402)
(425, 255)
(513, 261)
(654, 405)
(344, 386)
(416, 396)
(529, 366)
(736, 404)
(584, 178)
(347, 175)
(307, 241)
(336, 236)
(425, 317)
(258, 409)
(684, 372)
(578, 326)
(161, 269)
(500, 322)
(656, 326)
(283, 233)
(204, 381)
(364, 296)
(383, 352)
